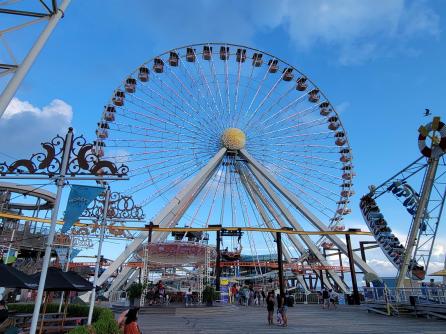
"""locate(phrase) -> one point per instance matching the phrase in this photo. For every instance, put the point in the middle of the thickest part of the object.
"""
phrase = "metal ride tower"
(424, 206)
(27, 14)
(224, 134)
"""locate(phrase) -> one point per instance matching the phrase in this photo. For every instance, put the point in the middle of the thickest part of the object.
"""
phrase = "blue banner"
(62, 254)
(74, 252)
(79, 199)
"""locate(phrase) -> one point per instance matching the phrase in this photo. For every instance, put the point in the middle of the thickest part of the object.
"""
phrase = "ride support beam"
(305, 212)
(169, 212)
(287, 214)
(351, 261)
(363, 257)
(250, 185)
(118, 280)
(22, 70)
(253, 193)
(419, 216)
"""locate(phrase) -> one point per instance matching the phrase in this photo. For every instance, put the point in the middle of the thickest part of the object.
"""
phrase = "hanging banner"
(79, 199)
(62, 254)
(74, 252)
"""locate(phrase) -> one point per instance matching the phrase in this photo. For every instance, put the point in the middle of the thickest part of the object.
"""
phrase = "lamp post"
(113, 207)
(280, 263)
(98, 256)
(65, 158)
(280, 260)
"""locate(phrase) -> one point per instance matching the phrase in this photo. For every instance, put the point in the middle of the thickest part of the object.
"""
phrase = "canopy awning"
(10, 277)
(57, 280)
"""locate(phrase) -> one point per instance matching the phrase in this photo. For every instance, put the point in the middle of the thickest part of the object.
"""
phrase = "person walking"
(131, 322)
(188, 297)
(325, 298)
(270, 307)
(333, 298)
(234, 292)
(263, 296)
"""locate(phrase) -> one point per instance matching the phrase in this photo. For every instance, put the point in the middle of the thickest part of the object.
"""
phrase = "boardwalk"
(302, 319)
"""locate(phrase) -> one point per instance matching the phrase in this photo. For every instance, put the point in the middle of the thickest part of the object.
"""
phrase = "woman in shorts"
(270, 307)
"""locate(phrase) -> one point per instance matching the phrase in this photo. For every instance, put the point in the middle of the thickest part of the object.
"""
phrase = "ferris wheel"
(225, 134)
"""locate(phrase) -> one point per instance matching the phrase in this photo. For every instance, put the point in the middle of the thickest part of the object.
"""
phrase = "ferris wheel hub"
(233, 139)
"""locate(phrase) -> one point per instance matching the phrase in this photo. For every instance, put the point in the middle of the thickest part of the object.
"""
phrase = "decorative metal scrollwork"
(82, 160)
(120, 206)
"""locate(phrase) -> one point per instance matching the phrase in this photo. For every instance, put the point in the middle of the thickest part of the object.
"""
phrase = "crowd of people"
(246, 295)
(329, 298)
(157, 294)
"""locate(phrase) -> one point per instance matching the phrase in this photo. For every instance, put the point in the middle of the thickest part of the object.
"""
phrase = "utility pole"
(280, 263)
(356, 299)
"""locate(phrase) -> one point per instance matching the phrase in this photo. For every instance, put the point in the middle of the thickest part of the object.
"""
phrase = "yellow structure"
(233, 139)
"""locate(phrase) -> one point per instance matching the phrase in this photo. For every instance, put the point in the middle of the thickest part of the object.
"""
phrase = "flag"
(62, 254)
(78, 200)
(74, 252)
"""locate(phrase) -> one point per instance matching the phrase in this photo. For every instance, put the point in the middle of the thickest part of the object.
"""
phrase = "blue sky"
(379, 62)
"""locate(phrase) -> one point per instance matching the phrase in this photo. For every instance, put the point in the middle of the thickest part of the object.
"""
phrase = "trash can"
(413, 300)
(290, 301)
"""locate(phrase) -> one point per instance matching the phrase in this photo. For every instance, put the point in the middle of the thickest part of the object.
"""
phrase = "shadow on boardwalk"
(301, 319)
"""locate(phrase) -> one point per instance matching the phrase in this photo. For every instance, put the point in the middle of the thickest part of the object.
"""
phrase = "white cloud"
(24, 126)
(358, 30)
(355, 31)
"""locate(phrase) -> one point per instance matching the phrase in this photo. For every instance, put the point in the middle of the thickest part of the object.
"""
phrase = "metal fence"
(311, 298)
(419, 295)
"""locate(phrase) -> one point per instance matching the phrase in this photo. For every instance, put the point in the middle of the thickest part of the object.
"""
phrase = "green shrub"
(82, 330)
(209, 294)
(135, 290)
(106, 323)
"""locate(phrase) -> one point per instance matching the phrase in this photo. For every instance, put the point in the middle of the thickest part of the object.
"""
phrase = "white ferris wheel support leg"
(119, 280)
(256, 194)
(419, 216)
(24, 67)
(267, 221)
(305, 238)
(307, 214)
(168, 216)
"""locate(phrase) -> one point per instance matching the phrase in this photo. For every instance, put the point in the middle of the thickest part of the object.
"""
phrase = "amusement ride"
(225, 134)
(226, 139)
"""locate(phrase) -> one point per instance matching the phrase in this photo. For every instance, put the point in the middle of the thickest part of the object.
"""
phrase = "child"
(279, 317)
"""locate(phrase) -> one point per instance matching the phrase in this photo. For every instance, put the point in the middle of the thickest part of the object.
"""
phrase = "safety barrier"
(418, 295)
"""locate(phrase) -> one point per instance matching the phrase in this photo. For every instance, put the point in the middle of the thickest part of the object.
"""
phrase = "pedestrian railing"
(418, 295)
(307, 298)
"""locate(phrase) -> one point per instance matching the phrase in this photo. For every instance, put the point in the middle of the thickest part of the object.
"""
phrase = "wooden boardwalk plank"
(301, 319)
